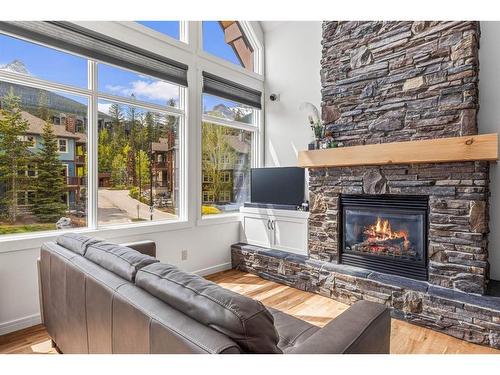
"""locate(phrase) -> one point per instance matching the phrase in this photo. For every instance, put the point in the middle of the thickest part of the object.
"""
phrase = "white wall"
(208, 249)
(292, 66)
(489, 122)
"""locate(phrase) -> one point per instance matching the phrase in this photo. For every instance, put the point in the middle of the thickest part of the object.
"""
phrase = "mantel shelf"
(441, 150)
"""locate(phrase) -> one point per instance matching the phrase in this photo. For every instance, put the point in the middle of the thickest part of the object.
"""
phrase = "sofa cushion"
(121, 260)
(291, 330)
(75, 242)
(244, 320)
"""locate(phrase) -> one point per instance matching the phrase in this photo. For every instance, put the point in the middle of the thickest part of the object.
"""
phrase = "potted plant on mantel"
(321, 139)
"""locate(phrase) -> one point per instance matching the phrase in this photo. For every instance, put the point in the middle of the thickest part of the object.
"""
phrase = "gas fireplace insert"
(385, 233)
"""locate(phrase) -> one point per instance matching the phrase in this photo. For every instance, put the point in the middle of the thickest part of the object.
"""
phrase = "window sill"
(28, 241)
(219, 219)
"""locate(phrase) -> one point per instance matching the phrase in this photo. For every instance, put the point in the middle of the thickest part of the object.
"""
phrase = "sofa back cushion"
(75, 242)
(120, 260)
(244, 320)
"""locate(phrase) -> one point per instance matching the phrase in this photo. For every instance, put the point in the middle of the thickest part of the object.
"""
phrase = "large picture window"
(45, 121)
(229, 133)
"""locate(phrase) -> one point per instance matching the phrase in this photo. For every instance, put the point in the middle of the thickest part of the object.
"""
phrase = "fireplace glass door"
(385, 233)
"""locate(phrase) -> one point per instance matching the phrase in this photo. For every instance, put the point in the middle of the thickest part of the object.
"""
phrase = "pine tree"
(51, 184)
(14, 155)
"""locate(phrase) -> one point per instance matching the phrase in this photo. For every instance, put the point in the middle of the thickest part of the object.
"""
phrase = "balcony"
(160, 165)
(76, 181)
(80, 159)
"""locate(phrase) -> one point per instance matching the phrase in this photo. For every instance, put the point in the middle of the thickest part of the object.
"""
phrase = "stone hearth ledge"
(471, 317)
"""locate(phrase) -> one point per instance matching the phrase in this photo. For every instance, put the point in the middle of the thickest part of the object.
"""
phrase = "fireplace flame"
(382, 231)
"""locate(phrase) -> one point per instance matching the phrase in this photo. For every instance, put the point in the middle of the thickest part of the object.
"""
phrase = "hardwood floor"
(406, 338)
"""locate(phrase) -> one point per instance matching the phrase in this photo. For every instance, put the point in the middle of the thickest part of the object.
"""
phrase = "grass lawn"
(25, 228)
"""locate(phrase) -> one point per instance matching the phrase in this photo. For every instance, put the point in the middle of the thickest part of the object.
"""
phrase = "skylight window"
(227, 40)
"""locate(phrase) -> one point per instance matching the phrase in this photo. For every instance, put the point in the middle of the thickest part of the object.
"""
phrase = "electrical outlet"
(184, 255)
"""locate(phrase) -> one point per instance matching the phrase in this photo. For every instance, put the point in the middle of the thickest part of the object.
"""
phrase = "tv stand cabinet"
(285, 230)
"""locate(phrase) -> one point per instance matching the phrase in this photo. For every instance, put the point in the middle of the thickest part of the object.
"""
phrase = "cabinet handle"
(272, 225)
(269, 224)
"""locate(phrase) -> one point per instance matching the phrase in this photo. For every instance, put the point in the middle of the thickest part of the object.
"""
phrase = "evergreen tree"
(104, 150)
(134, 141)
(142, 169)
(14, 155)
(51, 184)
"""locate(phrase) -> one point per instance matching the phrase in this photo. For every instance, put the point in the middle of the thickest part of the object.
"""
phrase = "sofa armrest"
(365, 328)
(147, 247)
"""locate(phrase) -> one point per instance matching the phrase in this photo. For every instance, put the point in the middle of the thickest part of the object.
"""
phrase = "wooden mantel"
(441, 150)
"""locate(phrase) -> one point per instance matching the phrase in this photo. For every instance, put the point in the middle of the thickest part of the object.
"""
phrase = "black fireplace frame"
(401, 267)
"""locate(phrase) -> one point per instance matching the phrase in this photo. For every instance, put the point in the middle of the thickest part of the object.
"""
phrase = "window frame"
(258, 54)
(92, 95)
(255, 160)
(59, 145)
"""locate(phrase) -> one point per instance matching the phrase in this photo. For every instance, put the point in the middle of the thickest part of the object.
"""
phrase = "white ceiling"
(270, 25)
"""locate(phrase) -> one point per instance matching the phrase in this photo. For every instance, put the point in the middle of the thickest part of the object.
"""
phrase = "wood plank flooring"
(406, 338)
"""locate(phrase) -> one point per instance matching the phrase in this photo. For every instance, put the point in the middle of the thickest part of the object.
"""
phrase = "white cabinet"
(257, 230)
(278, 229)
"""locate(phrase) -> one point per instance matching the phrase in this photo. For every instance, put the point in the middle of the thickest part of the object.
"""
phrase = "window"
(222, 147)
(226, 176)
(131, 188)
(35, 189)
(29, 139)
(208, 197)
(169, 28)
(44, 151)
(63, 145)
(207, 178)
(226, 196)
(227, 40)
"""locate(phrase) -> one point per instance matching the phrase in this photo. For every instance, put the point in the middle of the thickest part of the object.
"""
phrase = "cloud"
(103, 107)
(157, 91)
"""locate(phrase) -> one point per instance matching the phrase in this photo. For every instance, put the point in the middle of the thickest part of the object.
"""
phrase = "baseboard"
(16, 325)
(214, 269)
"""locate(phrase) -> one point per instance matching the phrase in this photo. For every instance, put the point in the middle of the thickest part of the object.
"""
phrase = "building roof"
(161, 146)
(36, 127)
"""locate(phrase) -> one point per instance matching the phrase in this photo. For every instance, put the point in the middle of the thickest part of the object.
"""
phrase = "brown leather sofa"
(99, 297)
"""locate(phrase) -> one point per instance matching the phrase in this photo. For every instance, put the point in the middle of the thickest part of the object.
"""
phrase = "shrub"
(210, 210)
(134, 192)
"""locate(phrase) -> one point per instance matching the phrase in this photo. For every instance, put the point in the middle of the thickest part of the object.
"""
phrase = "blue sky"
(60, 67)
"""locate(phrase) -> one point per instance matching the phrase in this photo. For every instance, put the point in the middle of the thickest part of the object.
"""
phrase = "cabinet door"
(290, 235)
(257, 232)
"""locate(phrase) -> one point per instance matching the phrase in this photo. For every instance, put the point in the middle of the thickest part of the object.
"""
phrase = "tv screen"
(277, 185)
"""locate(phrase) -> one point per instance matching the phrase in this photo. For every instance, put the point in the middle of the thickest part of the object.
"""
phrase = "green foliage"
(142, 169)
(217, 156)
(118, 171)
(51, 184)
(134, 192)
(105, 151)
(14, 154)
(26, 228)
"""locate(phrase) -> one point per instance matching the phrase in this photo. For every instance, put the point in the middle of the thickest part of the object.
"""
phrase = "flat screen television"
(277, 186)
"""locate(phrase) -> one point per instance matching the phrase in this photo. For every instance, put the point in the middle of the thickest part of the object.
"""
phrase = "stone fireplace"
(411, 236)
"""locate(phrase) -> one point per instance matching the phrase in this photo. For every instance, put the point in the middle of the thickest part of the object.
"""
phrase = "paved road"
(116, 206)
